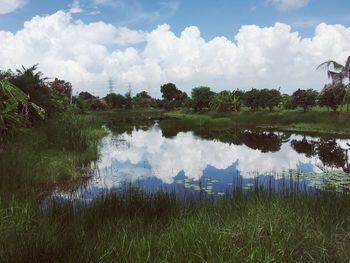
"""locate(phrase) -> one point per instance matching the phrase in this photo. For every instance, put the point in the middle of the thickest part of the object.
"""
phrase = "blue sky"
(213, 17)
(224, 44)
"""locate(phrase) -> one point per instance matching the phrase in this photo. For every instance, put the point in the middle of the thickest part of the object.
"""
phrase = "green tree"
(332, 96)
(287, 101)
(337, 72)
(225, 101)
(269, 98)
(142, 95)
(170, 92)
(33, 84)
(304, 98)
(201, 97)
(116, 101)
(251, 99)
(14, 105)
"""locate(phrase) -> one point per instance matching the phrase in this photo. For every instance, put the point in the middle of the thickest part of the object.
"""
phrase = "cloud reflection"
(167, 157)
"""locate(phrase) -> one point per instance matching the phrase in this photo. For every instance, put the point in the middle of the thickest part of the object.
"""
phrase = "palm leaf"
(326, 65)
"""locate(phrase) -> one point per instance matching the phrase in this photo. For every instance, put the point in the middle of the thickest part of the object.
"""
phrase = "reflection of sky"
(147, 156)
(153, 161)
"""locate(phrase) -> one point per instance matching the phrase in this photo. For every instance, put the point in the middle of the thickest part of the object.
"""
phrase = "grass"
(53, 153)
(314, 121)
(135, 226)
(254, 226)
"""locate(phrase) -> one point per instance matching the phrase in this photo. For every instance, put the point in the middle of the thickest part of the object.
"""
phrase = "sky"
(142, 44)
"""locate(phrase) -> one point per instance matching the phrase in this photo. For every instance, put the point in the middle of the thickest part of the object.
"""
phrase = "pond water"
(197, 160)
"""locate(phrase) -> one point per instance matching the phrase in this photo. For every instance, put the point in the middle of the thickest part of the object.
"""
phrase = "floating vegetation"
(329, 181)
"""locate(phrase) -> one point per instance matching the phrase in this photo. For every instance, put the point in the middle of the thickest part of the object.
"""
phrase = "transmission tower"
(111, 85)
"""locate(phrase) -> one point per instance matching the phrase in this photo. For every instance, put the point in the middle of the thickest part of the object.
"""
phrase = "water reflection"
(328, 151)
(213, 161)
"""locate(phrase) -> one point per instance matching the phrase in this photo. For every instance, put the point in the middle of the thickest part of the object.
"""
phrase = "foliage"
(201, 97)
(225, 101)
(304, 98)
(86, 101)
(269, 98)
(62, 87)
(116, 101)
(336, 71)
(251, 99)
(143, 95)
(11, 100)
(332, 96)
(170, 92)
(287, 101)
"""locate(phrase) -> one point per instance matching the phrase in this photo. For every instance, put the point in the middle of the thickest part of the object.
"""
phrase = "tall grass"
(134, 226)
(258, 225)
(52, 153)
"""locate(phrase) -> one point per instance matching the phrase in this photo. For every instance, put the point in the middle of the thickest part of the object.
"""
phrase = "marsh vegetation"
(235, 176)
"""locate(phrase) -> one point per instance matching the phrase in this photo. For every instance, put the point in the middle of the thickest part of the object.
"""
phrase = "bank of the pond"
(134, 226)
(337, 123)
(256, 226)
(57, 153)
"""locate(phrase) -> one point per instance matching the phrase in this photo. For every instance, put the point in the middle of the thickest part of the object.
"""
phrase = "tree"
(87, 101)
(11, 98)
(251, 99)
(225, 101)
(337, 72)
(62, 87)
(142, 95)
(304, 98)
(33, 84)
(287, 101)
(170, 92)
(269, 98)
(115, 101)
(332, 96)
(201, 97)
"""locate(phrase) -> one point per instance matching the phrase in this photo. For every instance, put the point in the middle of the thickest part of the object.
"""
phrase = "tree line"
(27, 97)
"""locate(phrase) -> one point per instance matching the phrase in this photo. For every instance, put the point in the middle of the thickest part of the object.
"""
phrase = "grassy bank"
(134, 226)
(54, 153)
(137, 227)
(312, 121)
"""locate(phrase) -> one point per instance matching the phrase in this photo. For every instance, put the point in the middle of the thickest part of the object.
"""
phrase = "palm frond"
(326, 65)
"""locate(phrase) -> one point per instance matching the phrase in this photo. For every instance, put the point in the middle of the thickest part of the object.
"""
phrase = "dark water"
(189, 159)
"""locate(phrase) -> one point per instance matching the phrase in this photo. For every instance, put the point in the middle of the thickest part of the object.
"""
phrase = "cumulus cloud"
(88, 54)
(285, 5)
(8, 6)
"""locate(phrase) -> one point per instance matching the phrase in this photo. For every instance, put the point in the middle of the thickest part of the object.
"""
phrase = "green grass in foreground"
(137, 227)
(312, 121)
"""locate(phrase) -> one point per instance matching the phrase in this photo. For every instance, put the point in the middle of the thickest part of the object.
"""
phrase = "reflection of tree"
(304, 146)
(328, 151)
(263, 141)
(331, 154)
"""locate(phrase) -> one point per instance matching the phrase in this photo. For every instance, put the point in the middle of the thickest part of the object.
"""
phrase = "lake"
(174, 156)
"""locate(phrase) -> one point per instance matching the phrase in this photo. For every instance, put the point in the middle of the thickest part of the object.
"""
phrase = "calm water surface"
(185, 160)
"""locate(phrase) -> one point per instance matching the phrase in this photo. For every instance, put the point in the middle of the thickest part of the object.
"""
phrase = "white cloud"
(285, 5)
(75, 7)
(8, 6)
(88, 54)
